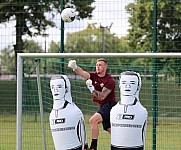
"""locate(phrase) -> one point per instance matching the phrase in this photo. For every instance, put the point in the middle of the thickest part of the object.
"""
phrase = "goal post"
(40, 102)
(169, 78)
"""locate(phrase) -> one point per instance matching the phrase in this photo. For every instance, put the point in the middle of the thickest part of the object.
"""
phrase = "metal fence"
(103, 26)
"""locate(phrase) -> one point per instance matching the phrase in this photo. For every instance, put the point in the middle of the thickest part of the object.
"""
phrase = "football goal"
(160, 94)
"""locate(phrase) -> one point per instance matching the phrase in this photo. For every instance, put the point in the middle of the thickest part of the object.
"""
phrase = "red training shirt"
(100, 82)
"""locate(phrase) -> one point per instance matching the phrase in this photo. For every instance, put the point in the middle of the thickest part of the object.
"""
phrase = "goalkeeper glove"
(89, 85)
(72, 64)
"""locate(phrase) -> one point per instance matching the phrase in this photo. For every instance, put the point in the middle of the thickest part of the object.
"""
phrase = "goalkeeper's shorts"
(104, 110)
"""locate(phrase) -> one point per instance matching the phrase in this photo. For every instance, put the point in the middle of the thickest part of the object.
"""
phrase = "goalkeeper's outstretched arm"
(78, 70)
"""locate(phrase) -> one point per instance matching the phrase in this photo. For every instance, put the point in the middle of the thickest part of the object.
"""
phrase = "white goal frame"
(21, 56)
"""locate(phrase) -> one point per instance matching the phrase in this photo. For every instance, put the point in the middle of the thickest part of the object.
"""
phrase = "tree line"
(139, 38)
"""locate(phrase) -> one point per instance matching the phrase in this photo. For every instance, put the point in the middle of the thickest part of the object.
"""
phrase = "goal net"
(160, 94)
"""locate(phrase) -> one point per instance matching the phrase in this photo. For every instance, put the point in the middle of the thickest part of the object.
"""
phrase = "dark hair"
(102, 59)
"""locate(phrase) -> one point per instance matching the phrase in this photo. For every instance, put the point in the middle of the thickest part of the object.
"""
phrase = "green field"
(168, 134)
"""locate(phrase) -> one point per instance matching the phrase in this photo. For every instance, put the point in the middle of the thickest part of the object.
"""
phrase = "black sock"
(86, 146)
(94, 143)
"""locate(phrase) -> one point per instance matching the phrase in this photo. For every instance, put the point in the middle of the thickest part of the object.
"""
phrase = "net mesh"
(167, 89)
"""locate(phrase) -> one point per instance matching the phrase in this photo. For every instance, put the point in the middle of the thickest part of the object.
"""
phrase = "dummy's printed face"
(128, 85)
(57, 88)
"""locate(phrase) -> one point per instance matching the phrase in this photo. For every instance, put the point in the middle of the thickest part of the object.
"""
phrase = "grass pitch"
(168, 134)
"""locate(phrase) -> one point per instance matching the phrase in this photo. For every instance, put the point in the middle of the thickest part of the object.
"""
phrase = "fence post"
(155, 79)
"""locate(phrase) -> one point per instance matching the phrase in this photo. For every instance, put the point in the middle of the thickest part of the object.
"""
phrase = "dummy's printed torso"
(65, 126)
(128, 124)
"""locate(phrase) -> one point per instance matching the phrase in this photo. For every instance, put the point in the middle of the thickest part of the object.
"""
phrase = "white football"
(68, 15)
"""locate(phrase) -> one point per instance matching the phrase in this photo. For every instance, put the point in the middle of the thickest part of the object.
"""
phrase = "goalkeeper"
(66, 119)
(128, 116)
(102, 86)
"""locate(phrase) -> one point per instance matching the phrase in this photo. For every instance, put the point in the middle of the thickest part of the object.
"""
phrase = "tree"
(30, 15)
(54, 47)
(8, 57)
(7, 61)
(140, 34)
(90, 40)
(30, 46)
(141, 25)
(168, 30)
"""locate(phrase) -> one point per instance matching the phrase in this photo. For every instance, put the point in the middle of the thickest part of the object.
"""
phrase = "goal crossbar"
(69, 55)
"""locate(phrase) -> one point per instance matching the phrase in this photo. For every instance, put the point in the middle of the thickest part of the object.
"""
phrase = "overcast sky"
(107, 12)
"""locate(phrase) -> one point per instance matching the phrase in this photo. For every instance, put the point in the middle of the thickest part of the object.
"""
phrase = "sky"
(108, 13)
